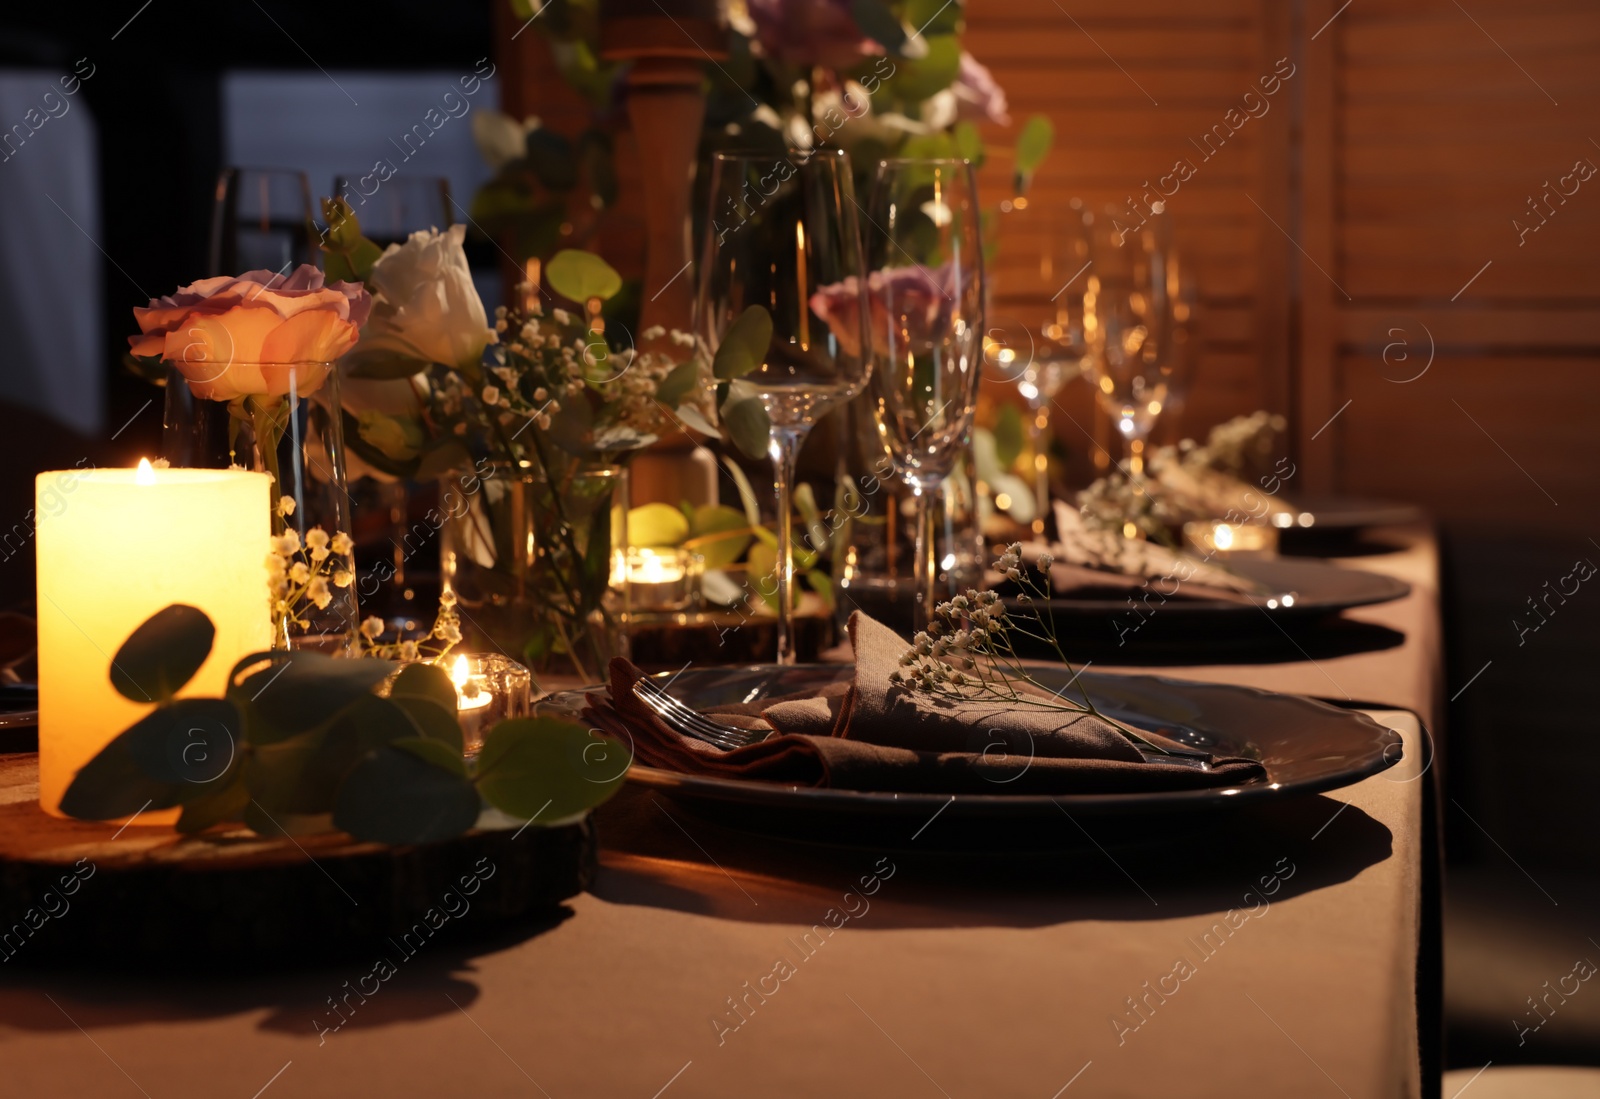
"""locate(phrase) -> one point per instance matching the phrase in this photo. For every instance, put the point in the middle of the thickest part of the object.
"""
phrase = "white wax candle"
(114, 547)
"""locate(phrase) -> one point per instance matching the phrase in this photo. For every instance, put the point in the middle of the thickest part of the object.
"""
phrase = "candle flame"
(146, 474)
(460, 673)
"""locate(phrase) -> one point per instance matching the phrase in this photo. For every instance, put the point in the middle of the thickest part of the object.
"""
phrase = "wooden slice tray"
(79, 891)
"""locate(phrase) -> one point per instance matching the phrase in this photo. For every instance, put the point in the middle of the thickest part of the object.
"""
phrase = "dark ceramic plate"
(1306, 747)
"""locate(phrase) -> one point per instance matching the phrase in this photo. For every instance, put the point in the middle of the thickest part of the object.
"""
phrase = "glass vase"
(538, 563)
(281, 419)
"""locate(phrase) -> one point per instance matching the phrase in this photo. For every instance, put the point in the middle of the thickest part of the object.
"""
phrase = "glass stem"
(784, 449)
(1040, 429)
(927, 567)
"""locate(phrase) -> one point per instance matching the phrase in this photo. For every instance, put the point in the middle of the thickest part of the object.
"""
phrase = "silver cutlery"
(683, 719)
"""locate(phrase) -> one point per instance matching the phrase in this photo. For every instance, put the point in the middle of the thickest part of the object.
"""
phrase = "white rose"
(425, 306)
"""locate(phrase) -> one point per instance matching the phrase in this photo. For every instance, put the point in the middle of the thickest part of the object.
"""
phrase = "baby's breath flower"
(299, 572)
(408, 650)
(447, 598)
(1045, 561)
(450, 632)
(342, 578)
(286, 506)
(342, 544)
(287, 543)
(491, 395)
(372, 627)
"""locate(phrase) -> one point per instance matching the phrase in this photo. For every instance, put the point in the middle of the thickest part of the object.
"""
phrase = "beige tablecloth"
(1276, 956)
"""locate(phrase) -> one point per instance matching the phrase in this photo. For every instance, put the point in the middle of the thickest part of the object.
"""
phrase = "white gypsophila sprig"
(967, 652)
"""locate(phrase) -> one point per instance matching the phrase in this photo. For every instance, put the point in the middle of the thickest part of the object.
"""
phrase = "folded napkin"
(1090, 562)
(872, 734)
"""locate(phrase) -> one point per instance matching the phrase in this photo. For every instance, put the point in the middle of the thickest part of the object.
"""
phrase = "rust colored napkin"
(870, 734)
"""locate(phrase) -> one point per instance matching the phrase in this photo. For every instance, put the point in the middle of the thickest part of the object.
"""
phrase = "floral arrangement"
(1194, 481)
(967, 652)
(304, 742)
(877, 78)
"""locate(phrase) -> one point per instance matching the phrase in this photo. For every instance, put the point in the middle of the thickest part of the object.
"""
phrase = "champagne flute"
(782, 236)
(261, 221)
(1128, 325)
(926, 302)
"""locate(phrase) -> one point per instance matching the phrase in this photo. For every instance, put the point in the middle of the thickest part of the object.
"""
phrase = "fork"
(691, 723)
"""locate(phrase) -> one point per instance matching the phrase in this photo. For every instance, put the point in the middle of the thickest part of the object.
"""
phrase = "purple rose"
(912, 302)
(810, 33)
(978, 97)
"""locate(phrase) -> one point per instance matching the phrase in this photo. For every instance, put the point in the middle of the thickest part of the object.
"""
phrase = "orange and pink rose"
(260, 334)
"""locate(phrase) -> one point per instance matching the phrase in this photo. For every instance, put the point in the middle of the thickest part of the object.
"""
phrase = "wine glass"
(1041, 348)
(396, 207)
(782, 240)
(926, 297)
(261, 220)
(1128, 325)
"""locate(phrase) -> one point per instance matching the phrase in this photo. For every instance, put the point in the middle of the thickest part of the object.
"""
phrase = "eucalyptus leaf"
(692, 418)
(547, 769)
(747, 423)
(933, 16)
(436, 723)
(396, 796)
(162, 654)
(683, 380)
(1008, 436)
(156, 762)
(968, 143)
(744, 346)
(821, 583)
(441, 457)
(425, 681)
(300, 690)
(747, 495)
(433, 752)
(719, 535)
(581, 275)
(917, 79)
(657, 524)
(223, 801)
(1033, 145)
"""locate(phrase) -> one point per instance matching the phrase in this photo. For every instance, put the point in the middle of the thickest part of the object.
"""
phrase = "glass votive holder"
(1230, 541)
(659, 578)
(489, 688)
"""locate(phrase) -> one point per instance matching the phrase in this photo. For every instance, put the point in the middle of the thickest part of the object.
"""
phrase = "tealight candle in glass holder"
(489, 688)
(659, 578)
(1230, 541)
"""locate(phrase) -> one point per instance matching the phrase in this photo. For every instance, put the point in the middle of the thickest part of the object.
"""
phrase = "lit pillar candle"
(115, 546)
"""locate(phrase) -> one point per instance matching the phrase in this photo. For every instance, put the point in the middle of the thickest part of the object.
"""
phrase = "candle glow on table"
(1231, 540)
(658, 578)
(489, 688)
(114, 547)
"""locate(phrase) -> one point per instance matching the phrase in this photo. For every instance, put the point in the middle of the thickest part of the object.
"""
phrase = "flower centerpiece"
(527, 425)
(251, 382)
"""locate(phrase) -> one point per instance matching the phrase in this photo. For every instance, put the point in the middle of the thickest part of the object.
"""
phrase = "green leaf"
(747, 424)
(398, 437)
(1033, 145)
(547, 769)
(692, 418)
(744, 346)
(347, 255)
(657, 525)
(805, 502)
(224, 801)
(719, 535)
(821, 583)
(397, 796)
(747, 495)
(933, 16)
(162, 654)
(167, 757)
(581, 275)
(437, 723)
(550, 156)
(682, 381)
(425, 681)
(968, 143)
(916, 79)
(1008, 435)
(431, 751)
(303, 689)
(880, 24)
